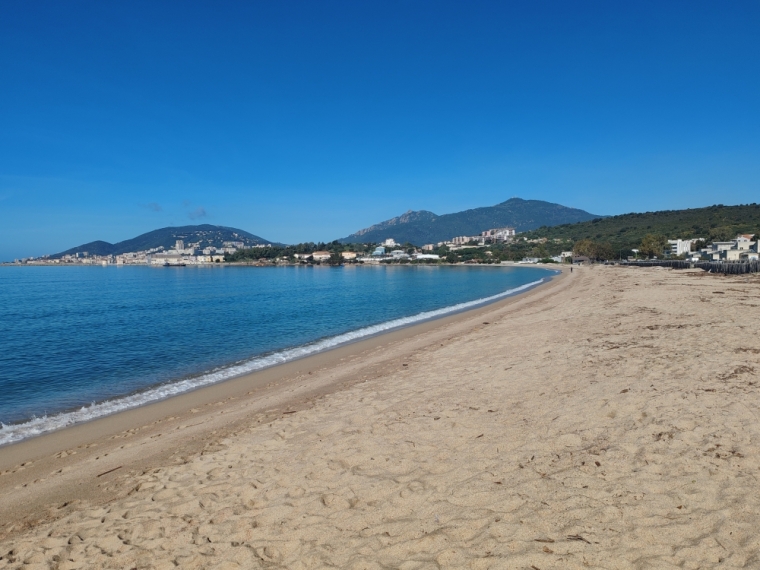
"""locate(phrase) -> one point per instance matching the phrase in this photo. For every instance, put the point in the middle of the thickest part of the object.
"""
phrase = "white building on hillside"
(498, 234)
(681, 246)
(320, 255)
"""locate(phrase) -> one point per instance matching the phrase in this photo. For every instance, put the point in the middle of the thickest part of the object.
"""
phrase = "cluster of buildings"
(743, 248)
(190, 254)
(79, 258)
(564, 257)
(383, 252)
(181, 254)
(380, 254)
(494, 235)
(386, 252)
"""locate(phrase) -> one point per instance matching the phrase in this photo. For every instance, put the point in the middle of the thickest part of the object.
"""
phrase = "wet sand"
(608, 419)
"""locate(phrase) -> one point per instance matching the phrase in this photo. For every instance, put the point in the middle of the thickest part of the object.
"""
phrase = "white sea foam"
(36, 426)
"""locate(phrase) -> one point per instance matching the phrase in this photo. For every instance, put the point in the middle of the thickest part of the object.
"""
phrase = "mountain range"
(418, 227)
(421, 227)
(534, 217)
(206, 235)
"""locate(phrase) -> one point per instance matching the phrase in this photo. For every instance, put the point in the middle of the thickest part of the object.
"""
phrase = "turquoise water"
(81, 342)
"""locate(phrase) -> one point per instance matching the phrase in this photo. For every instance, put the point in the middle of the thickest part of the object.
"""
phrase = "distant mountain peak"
(407, 217)
(421, 227)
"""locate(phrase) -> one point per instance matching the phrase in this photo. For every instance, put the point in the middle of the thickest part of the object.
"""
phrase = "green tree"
(722, 233)
(604, 251)
(593, 249)
(653, 245)
(585, 248)
(335, 259)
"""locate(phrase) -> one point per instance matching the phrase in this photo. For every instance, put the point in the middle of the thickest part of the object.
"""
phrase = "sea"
(77, 343)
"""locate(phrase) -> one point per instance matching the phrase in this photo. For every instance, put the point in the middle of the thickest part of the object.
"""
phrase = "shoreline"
(257, 264)
(31, 447)
(165, 391)
(85, 463)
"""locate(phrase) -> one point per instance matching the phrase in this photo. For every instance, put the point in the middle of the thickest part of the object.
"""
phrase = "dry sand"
(606, 420)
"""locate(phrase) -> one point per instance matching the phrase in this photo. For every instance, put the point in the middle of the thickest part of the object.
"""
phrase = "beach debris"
(109, 471)
(543, 540)
(577, 537)
(481, 435)
(290, 412)
(548, 550)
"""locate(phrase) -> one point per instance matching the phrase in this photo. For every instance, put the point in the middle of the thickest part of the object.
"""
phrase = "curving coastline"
(16, 432)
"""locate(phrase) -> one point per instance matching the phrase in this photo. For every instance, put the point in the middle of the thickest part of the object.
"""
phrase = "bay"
(79, 342)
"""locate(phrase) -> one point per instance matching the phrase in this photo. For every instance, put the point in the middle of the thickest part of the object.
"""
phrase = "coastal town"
(183, 254)
(483, 248)
(180, 254)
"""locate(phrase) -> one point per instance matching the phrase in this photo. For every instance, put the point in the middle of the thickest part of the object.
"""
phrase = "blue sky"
(309, 120)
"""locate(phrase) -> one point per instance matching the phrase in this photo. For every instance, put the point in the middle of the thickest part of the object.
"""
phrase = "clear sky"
(309, 120)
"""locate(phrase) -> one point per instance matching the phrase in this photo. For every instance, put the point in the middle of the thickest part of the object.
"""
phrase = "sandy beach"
(608, 419)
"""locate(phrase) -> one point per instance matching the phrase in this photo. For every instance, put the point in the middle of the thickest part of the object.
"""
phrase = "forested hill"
(714, 223)
(206, 235)
(426, 227)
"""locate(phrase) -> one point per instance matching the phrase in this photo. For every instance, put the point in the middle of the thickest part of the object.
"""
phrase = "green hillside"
(715, 223)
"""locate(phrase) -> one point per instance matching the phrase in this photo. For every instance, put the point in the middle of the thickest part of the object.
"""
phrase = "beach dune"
(608, 419)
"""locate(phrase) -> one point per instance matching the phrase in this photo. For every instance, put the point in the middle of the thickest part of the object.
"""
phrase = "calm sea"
(81, 342)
